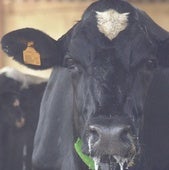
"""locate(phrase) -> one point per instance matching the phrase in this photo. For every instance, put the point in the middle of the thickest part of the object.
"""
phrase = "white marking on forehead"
(25, 79)
(111, 22)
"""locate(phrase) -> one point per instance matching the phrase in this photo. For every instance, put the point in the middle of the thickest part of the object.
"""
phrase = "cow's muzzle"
(112, 145)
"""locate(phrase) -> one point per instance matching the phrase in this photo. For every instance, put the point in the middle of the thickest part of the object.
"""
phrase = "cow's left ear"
(33, 48)
(163, 53)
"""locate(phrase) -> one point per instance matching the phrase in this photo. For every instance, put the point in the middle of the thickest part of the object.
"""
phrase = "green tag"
(85, 158)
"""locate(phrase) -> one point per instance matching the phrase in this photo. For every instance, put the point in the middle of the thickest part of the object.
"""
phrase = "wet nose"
(110, 140)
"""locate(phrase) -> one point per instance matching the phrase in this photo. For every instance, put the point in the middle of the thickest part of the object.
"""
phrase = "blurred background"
(55, 17)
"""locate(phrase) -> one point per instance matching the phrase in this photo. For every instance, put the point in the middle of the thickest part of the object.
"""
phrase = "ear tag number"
(31, 56)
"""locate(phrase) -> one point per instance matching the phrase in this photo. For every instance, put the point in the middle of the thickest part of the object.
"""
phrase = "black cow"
(103, 67)
(20, 97)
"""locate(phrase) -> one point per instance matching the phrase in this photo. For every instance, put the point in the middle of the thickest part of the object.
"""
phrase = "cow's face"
(109, 103)
(111, 73)
(11, 113)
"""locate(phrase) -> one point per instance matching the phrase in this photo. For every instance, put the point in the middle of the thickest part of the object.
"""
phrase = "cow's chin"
(112, 162)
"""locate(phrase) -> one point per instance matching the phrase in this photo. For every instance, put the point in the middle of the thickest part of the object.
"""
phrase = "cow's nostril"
(94, 133)
(125, 133)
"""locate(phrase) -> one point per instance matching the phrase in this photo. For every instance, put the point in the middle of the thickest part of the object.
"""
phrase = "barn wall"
(55, 18)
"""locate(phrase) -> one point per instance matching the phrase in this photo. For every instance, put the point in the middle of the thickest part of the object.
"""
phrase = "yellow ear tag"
(31, 56)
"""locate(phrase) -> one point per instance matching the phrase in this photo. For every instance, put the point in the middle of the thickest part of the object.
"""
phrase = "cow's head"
(12, 115)
(111, 54)
(13, 85)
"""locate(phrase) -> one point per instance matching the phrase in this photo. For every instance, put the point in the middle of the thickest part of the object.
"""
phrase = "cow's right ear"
(163, 53)
(33, 48)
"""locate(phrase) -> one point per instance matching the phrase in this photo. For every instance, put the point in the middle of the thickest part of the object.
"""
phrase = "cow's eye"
(151, 63)
(69, 63)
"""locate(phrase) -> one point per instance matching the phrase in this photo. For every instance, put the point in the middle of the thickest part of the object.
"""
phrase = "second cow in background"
(20, 97)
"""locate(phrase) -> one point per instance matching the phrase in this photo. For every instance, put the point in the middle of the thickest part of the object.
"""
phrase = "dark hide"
(98, 89)
(60, 156)
(30, 102)
(11, 135)
(19, 113)
(156, 123)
